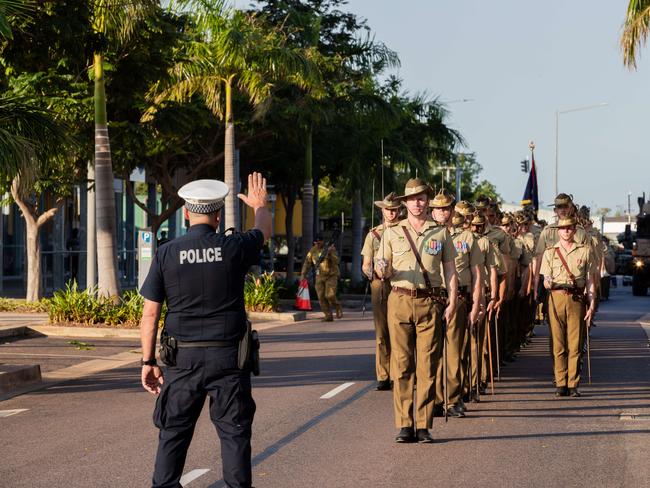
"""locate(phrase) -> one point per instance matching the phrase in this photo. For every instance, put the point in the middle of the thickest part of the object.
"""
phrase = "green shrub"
(261, 293)
(22, 305)
(85, 307)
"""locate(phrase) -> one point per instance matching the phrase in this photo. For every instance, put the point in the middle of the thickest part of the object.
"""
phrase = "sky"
(519, 62)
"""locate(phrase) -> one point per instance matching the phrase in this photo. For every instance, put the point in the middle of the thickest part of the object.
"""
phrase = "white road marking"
(192, 475)
(9, 413)
(336, 391)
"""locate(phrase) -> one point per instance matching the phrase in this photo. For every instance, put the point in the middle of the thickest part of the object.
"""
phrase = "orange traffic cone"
(302, 297)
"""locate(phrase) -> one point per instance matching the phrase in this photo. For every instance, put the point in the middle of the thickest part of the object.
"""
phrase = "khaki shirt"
(371, 244)
(491, 257)
(328, 267)
(468, 255)
(535, 230)
(433, 243)
(579, 259)
(515, 249)
(549, 237)
(526, 255)
(498, 237)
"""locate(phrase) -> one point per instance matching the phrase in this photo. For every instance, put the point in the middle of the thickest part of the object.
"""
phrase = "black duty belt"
(207, 343)
(418, 292)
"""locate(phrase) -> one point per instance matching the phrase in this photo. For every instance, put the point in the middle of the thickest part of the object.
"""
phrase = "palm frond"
(29, 134)
(635, 31)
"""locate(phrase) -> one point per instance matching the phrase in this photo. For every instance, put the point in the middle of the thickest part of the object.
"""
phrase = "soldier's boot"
(328, 317)
(339, 312)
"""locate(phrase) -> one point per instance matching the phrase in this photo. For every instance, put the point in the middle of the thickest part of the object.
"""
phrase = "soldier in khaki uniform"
(563, 207)
(568, 267)
(526, 240)
(415, 308)
(380, 289)
(492, 261)
(502, 243)
(508, 312)
(327, 276)
(468, 261)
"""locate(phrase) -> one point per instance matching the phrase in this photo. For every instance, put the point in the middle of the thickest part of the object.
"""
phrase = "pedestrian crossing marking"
(192, 475)
(634, 416)
(9, 413)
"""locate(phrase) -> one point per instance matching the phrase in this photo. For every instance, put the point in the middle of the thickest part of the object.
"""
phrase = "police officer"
(380, 289)
(567, 267)
(415, 308)
(326, 264)
(201, 278)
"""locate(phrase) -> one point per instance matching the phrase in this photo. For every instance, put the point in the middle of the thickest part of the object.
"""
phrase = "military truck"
(641, 250)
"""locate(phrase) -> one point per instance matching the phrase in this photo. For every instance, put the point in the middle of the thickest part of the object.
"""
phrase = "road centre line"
(192, 475)
(9, 413)
(310, 424)
(336, 391)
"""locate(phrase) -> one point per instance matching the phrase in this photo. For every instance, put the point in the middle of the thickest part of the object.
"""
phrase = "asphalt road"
(97, 431)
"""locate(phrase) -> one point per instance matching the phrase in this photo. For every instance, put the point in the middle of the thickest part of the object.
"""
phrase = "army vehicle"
(641, 250)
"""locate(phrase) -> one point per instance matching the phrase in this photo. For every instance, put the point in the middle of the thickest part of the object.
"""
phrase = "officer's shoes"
(455, 411)
(561, 391)
(328, 318)
(339, 313)
(424, 436)
(384, 385)
(404, 435)
(574, 393)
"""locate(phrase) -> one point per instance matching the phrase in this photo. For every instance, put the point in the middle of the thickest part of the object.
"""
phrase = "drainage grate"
(634, 416)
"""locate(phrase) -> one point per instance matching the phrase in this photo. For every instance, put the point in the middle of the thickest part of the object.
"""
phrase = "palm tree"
(112, 20)
(234, 50)
(32, 141)
(635, 30)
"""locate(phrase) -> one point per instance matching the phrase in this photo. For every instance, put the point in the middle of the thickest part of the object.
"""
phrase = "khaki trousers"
(567, 326)
(326, 291)
(455, 340)
(379, 291)
(416, 344)
(479, 361)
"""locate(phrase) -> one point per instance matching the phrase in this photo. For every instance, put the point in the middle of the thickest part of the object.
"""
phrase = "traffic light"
(524, 166)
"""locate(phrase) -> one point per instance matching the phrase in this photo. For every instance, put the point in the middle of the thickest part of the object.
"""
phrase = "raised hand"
(257, 196)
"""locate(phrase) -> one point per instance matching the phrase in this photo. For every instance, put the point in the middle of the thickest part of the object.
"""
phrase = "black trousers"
(201, 372)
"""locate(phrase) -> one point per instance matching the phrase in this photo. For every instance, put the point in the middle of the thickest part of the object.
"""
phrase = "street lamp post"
(557, 133)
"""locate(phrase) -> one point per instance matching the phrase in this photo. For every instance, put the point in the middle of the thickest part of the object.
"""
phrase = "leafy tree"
(233, 50)
(635, 30)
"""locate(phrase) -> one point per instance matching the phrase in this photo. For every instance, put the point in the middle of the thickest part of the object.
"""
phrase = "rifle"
(489, 339)
(444, 366)
(365, 295)
(588, 352)
(324, 253)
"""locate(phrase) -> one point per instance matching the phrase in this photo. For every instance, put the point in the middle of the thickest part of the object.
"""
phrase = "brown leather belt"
(568, 291)
(418, 292)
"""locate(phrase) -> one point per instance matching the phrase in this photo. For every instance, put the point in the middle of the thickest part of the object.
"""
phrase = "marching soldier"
(380, 289)
(326, 264)
(526, 240)
(411, 255)
(563, 208)
(509, 308)
(468, 261)
(567, 267)
(201, 277)
(501, 242)
(489, 273)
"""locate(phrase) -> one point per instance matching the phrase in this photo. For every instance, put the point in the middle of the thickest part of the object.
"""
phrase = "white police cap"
(204, 196)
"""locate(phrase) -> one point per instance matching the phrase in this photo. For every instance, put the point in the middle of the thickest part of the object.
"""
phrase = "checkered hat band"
(204, 208)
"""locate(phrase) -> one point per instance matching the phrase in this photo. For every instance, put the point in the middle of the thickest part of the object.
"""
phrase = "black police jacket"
(201, 276)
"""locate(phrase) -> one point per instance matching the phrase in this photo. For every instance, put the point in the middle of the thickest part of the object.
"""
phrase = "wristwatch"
(149, 362)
